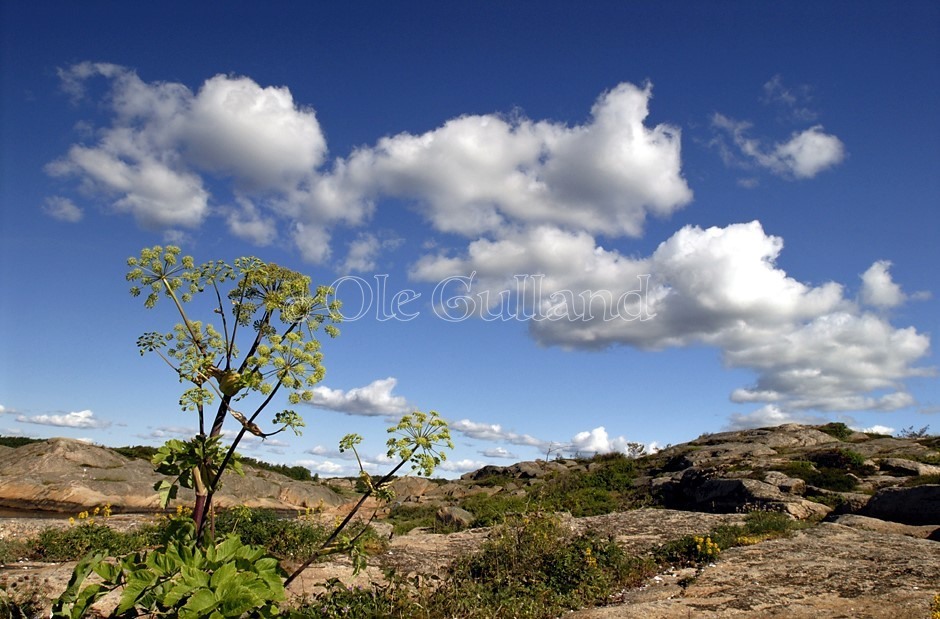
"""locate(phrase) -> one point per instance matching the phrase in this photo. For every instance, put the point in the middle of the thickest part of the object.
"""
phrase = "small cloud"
(878, 289)
(748, 183)
(769, 416)
(495, 432)
(169, 432)
(792, 102)
(62, 209)
(597, 441)
(79, 419)
(322, 466)
(877, 429)
(499, 452)
(461, 466)
(804, 155)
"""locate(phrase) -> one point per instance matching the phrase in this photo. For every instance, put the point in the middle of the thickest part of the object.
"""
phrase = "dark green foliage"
(844, 459)
(300, 473)
(74, 542)
(534, 567)
(404, 518)
(375, 601)
(830, 470)
(179, 579)
(769, 523)
(137, 452)
(606, 487)
(285, 538)
(281, 537)
(922, 480)
(490, 510)
(19, 441)
(697, 549)
(837, 430)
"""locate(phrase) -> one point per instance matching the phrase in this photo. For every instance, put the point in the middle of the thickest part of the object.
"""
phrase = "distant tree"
(273, 312)
(19, 441)
(910, 432)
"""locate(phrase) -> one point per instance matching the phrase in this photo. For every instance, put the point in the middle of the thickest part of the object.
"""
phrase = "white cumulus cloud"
(476, 173)
(804, 155)
(375, 399)
(75, 419)
(811, 347)
(878, 289)
(496, 433)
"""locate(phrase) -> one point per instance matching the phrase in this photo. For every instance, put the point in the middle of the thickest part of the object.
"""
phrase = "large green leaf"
(200, 604)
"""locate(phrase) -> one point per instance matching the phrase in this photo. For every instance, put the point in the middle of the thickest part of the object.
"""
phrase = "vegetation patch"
(19, 441)
(837, 430)
(923, 480)
(533, 566)
(759, 526)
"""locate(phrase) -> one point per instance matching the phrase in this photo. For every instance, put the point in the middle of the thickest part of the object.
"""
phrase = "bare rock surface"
(828, 571)
(68, 475)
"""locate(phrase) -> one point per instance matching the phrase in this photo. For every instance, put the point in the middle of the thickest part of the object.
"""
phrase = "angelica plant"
(273, 312)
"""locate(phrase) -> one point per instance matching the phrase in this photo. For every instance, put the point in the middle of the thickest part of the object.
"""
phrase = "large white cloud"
(258, 135)
(472, 175)
(477, 173)
(375, 399)
(811, 347)
(163, 140)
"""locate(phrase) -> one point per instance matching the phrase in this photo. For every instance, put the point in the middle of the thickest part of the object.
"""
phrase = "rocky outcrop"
(919, 505)
(454, 516)
(828, 570)
(68, 475)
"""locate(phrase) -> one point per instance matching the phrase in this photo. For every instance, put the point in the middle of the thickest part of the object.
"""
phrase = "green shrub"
(12, 550)
(534, 567)
(137, 452)
(688, 550)
(846, 459)
(179, 579)
(281, 537)
(768, 523)
(837, 430)
(489, 510)
(832, 472)
(922, 480)
(696, 549)
(377, 601)
(19, 441)
(74, 542)
(404, 518)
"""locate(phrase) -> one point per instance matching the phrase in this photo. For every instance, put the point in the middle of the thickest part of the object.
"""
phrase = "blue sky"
(748, 190)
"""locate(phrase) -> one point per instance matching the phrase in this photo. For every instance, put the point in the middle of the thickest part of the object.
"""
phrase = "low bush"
(377, 601)
(74, 542)
(284, 538)
(845, 459)
(696, 549)
(404, 518)
(489, 510)
(19, 441)
(837, 430)
(832, 470)
(532, 566)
